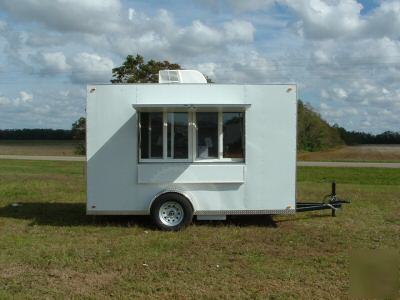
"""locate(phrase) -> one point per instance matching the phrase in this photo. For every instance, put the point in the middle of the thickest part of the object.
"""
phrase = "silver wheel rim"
(171, 213)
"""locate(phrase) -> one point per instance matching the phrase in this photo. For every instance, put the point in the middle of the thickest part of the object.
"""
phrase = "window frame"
(165, 157)
(220, 137)
(192, 137)
(244, 135)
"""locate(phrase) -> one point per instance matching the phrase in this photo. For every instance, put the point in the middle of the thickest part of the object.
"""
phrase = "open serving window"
(189, 133)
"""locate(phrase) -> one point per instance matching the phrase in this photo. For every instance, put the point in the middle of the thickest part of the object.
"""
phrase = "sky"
(343, 55)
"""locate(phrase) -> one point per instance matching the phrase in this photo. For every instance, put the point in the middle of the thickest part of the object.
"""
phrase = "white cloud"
(208, 69)
(238, 6)
(3, 25)
(4, 101)
(161, 33)
(68, 15)
(339, 93)
(333, 50)
(25, 97)
(322, 20)
(321, 57)
(17, 103)
(52, 62)
(385, 20)
(51, 109)
(319, 19)
(91, 67)
(324, 94)
(249, 5)
(43, 110)
(237, 30)
(351, 111)
(324, 106)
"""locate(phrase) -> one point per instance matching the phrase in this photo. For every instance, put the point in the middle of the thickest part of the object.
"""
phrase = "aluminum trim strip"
(246, 212)
(139, 106)
(117, 212)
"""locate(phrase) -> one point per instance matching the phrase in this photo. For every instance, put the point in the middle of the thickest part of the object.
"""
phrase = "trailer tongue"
(330, 201)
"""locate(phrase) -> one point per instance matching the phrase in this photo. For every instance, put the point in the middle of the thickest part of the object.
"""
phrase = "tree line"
(357, 137)
(35, 134)
(314, 133)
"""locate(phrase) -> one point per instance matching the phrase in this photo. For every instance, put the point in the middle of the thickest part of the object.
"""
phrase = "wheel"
(171, 211)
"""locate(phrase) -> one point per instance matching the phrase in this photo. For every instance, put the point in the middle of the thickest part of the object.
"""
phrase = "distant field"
(382, 153)
(39, 147)
(49, 248)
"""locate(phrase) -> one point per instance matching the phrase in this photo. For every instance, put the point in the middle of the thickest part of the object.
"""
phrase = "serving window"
(191, 136)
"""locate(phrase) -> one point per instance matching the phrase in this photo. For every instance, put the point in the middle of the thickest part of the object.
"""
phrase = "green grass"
(50, 249)
(359, 176)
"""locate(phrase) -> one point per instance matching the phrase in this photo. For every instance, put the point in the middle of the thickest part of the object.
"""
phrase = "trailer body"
(121, 182)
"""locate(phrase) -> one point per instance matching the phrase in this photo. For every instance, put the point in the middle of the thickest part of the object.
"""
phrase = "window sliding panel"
(151, 134)
(181, 135)
(170, 122)
(233, 135)
(207, 135)
(144, 135)
(178, 135)
(156, 134)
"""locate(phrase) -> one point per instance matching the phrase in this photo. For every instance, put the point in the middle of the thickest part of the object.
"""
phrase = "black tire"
(171, 211)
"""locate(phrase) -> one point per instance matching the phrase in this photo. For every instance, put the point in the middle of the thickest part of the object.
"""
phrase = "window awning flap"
(140, 106)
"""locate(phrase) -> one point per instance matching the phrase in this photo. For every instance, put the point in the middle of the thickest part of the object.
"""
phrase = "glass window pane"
(144, 135)
(156, 135)
(170, 120)
(233, 131)
(207, 134)
(151, 135)
(178, 136)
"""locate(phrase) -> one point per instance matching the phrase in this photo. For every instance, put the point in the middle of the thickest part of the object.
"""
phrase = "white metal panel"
(190, 173)
(271, 147)
(190, 94)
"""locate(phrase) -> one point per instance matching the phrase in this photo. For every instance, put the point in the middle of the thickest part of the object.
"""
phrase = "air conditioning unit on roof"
(181, 76)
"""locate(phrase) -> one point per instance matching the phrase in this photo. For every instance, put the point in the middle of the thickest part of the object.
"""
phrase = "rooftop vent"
(181, 76)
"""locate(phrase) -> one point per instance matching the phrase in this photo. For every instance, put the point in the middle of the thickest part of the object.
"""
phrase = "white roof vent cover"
(181, 76)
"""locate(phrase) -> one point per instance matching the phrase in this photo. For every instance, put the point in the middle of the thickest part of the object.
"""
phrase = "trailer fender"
(183, 193)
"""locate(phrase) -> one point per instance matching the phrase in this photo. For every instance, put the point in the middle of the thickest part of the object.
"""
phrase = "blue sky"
(344, 55)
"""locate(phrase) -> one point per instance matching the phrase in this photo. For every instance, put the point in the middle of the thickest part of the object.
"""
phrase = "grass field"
(371, 153)
(39, 147)
(50, 249)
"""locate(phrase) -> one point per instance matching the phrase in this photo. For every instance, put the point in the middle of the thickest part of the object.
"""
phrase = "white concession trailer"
(178, 150)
